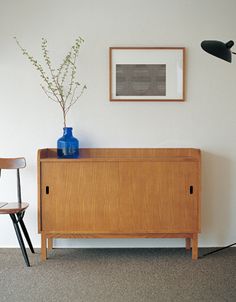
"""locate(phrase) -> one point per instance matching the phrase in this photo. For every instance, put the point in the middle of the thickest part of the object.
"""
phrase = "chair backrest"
(14, 163)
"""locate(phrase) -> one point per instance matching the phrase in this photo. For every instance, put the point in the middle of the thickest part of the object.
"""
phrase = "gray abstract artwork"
(141, 79)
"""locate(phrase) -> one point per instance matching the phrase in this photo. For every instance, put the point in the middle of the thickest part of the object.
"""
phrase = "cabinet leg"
(195, 247)
(43, 247)
(188, 244)
(50, 244)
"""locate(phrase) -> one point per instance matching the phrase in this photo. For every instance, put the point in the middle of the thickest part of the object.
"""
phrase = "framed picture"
(147, 73)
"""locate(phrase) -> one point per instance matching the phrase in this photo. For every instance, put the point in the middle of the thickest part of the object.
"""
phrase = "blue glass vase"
(67, 145)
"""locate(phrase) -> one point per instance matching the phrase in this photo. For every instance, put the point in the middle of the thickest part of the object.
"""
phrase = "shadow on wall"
(216, 198)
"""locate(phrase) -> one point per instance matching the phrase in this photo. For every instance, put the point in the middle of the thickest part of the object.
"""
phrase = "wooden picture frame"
(147, 74)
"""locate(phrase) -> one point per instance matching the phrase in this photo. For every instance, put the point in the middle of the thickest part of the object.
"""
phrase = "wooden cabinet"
(120, 193)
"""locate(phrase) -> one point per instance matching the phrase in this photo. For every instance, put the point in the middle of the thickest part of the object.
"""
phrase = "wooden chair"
(16, 210)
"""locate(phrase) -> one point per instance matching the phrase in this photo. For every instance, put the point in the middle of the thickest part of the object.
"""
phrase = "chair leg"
(25, 232)
(20, 239)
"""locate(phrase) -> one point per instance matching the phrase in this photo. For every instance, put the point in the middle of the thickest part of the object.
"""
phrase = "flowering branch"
(61, 86)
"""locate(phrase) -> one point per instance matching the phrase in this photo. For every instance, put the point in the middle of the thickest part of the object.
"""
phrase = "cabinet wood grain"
(120, 193)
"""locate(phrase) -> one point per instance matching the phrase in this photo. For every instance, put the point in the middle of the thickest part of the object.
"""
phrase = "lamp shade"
(218, 49)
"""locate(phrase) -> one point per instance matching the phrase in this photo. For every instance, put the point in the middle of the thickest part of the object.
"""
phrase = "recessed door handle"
(47, 189)
(191, 189)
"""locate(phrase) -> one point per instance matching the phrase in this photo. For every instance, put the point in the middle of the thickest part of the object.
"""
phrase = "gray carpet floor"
(118, 275)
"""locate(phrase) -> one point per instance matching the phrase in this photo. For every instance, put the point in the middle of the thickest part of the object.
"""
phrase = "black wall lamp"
(223, 51)
(219, 49)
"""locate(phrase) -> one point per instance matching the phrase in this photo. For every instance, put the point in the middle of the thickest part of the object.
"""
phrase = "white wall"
(207, 120)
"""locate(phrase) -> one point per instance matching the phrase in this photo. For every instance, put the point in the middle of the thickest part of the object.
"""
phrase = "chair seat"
(13, 207)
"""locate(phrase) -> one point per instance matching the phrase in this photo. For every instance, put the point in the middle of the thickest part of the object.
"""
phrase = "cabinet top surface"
(119, 154)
